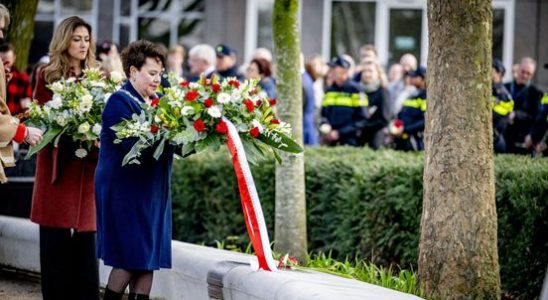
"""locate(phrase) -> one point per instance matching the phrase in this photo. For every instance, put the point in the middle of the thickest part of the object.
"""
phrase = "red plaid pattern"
(17, 89)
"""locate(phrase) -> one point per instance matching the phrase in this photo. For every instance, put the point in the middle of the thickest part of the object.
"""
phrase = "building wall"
(225, 23)
(311, 27)
(531, 36)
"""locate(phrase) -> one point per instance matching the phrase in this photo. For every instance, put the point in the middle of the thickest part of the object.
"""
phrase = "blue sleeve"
(415, 126)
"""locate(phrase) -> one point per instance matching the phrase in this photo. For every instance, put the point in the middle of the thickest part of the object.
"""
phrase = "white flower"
(223, 98)
(96, 129)
(86, 103)
(214, 111)
(193, 85)
(81, 153)
(71, 79)
(83, 128)
(257, 124)
(57, 87)
(157, 119)
(56, 102)
(187, 110)
(61, 121)
(116, 76)
(100, 84)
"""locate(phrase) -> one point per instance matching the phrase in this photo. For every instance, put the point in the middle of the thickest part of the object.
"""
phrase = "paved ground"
(17, 288)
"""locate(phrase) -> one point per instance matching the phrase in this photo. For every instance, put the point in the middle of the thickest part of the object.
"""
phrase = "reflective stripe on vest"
(544, 99)
(502, 108)
(345, 99)
(418, 103)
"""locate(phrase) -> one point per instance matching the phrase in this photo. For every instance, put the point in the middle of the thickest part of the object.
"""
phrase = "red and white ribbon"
(251, 206)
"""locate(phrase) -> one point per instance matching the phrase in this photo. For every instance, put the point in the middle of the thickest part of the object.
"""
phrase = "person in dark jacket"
(503, 105)
(344, 106)
(378, 110)
(526, 107)
(133, 201)
(226, 62)
(411, 115)
(539, 134)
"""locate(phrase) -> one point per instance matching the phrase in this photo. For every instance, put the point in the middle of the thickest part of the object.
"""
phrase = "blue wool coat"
(133, 201)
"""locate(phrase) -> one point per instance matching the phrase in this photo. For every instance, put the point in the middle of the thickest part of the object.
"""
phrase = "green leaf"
(51, 134)
(281, 141)
(160, 149)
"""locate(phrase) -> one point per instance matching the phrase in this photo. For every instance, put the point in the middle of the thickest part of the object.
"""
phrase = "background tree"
(458, 245)
(21, 29)
(290, 220)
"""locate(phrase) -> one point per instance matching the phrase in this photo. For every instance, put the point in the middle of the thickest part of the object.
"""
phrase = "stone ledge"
(205, 273)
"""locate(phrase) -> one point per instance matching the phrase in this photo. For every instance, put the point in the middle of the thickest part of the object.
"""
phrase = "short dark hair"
(137, 52)
(263, 65)
(6, 47)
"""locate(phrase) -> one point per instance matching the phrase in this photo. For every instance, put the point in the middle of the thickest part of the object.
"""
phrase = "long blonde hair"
(58, 49)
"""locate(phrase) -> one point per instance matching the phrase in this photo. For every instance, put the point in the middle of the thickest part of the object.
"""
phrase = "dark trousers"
(68, 264)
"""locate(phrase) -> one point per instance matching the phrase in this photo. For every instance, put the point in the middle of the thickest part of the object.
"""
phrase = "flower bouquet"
(197, 116)
(74, 110)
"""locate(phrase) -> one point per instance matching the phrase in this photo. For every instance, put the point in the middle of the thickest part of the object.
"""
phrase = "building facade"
(328, 27)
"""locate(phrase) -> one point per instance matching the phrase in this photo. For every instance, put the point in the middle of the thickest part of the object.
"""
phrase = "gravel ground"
(18, 289)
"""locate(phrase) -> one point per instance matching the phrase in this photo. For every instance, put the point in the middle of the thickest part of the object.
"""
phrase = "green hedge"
(367, 203)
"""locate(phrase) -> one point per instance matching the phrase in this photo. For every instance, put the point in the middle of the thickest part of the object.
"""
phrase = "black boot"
(112, 295)
(133, 296)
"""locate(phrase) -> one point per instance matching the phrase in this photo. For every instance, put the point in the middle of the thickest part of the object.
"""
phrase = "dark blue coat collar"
(129, 87)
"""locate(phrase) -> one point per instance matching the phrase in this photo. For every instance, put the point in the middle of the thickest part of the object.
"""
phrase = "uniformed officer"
(344, 106)
(411, 116)
(503, 105)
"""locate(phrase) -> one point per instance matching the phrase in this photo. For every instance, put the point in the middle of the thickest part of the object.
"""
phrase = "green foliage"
(367, 204)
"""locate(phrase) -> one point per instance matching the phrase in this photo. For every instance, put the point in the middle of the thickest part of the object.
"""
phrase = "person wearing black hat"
(226, 62)
(503, 105)
(344, 106)
(411, 116)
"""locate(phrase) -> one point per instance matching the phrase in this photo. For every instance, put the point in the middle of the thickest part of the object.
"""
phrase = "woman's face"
(147, 79)
(79, 43)
(252, 71)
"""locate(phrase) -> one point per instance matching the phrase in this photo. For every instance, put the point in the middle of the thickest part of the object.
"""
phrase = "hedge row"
(367, 203)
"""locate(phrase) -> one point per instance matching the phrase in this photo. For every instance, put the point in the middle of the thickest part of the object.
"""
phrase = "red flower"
(191, 95)
(199, 125)
(254, 132)
(154, 102)
(216, 88)
(208, 102)
(154, 128)
(272, 101)
(249, 105)
(275, 121)
(234, 83)
(221, 127)
(398, 123)
(259, 102)
(184, 83)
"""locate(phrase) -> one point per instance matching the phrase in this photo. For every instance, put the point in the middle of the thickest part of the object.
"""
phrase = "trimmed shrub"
(368, 204)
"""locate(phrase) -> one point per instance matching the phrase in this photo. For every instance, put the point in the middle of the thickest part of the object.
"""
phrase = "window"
(167, 22)
(352, 25)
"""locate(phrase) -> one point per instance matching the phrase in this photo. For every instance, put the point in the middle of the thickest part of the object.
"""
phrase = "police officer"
(411, 116)
(539, 134)
(226, 62)
(344, 106)
(503, 105)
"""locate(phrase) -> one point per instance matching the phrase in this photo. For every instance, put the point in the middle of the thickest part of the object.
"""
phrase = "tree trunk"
(290, 223)
(21, 29)
(458, 245)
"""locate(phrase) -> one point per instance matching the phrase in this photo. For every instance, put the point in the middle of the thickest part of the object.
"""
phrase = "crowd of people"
(92, 207)
(344, 102)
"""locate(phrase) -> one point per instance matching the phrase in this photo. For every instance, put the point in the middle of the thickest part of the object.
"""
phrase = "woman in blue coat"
(133, 201)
